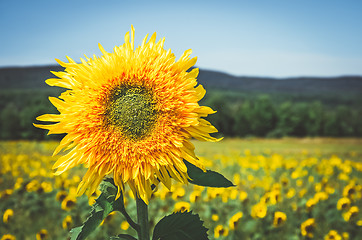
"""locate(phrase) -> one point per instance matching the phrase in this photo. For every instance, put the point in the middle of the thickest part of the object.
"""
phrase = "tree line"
(260, 116)
(264, 118)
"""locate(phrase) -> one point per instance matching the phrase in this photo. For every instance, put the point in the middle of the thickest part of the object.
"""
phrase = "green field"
(308, 188)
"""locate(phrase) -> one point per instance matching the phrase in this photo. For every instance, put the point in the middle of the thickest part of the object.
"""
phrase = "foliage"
(238, 115)
(207, 179)
(103, 206)
(180, 226)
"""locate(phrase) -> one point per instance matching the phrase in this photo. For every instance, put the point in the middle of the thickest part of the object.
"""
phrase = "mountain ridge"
(34, 77)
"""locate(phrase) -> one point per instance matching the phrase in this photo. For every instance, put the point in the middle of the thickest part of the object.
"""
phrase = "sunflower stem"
(134, 225)
(142, 218)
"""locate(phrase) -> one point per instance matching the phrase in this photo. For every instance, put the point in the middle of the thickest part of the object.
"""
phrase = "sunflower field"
(285, 189)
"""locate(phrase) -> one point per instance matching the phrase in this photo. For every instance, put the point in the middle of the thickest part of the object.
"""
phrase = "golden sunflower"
(8, 214)
(130, 113)
(235, 220)
(42, 234)
(307, 227)
(67, 222)
(8, 237)
(279, 219)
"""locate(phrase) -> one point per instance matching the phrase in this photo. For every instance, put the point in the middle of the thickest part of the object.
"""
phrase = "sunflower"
(351, 214)
(307, 227)
(42, 234)
(130, 113)
(67, 222)
(8, 237)
(259, 210)
(279, 219)
(235, 220)
(182, 207)
(332, 235)
(220, 231)
(8, 214)
(68, 203)
(124, 225)
(343, 203)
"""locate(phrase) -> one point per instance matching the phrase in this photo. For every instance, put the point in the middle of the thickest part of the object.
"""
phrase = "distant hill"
(34, 77)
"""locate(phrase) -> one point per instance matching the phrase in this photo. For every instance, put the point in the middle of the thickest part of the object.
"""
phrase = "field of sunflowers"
(285, 189)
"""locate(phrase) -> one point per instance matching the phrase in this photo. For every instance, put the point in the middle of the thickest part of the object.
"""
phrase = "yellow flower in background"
(243, 196)
(130, 113)
(42, 234)
(291, 193)
(195, 196)
(67, 222)
(124, 225)
(349, 190)
(33, 186)
(311, 203)
(45, 187)
(68, 203)
(345, 236)
(8, 237)
(307, 227)
(8, 214)
(284, 181)
(343, 203)
(18, 183)
(182, 207)
(61, 195)
(220, 231)
(299, 182)
(178, 193)
(234, 220)
(259, 210)
(332, 235)
(215, 217)
(321, 196)
(351, 214)
(302, 192)
(279, 219)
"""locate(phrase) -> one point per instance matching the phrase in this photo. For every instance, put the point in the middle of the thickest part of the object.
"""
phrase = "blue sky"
(277, 38)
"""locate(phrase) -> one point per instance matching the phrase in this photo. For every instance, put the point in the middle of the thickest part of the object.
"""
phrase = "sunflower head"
(68, 203)
(67, 222)
(42, 234)
(332, 235)
(259, 210)
(130, 113)
(8, 214)
(221, 231)
(307, 227)
(8, 237)
(182, 207)
(234, 220)
(279, 219)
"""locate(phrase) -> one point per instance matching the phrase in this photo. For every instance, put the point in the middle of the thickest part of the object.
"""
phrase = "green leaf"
(180, 226)
(206, 179)
(104, 205)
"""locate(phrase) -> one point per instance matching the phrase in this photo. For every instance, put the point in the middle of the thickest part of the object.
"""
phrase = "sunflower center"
(132, 109)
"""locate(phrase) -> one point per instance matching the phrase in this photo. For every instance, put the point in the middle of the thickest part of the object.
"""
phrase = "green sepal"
(206, 179)
(180, 226)
(104, 205)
